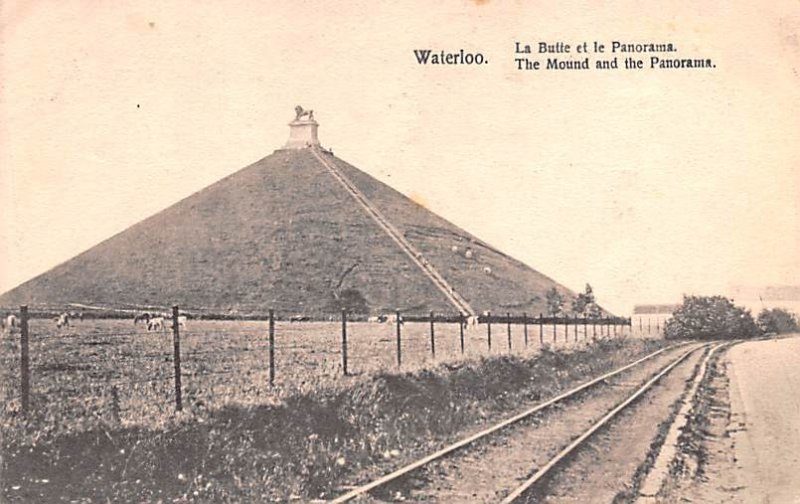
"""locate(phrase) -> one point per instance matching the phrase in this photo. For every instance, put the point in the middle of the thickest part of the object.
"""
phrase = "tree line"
(584, 303)
(717, 317)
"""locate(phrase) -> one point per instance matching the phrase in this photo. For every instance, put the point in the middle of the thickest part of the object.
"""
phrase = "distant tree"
(351, 300)
(710, 317)
(595, 311)
(555, 302)
(579, 304)
(777, 320)
(584, 303)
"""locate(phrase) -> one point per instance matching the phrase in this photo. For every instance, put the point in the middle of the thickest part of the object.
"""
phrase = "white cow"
(155, 324)
(62, 320)
(10, 323)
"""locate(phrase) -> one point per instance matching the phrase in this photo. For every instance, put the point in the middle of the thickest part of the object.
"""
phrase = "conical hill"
(299, 231)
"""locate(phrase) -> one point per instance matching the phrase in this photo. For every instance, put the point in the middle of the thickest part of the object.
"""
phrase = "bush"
(710, 317)
(777, 321)
(350, 300)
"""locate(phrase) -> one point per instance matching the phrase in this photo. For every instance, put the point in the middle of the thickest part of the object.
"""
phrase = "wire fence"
(119, 370)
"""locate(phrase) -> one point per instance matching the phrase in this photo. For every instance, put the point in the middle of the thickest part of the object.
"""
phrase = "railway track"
(541, 438)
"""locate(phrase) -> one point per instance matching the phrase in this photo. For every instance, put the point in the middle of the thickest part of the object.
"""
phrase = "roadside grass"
(631, 492)
(307, 446)
(692, 450)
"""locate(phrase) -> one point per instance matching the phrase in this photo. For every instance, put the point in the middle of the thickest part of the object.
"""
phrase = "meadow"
(113, 372)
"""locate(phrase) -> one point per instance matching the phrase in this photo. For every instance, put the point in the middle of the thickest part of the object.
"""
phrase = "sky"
(646, 184)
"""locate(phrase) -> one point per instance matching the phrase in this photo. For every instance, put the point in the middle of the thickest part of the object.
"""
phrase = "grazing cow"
(10, 323)
(155, 324)
(487, 270)
(393, 319)
(62, 320)
(141, 317)
(298, 318)
(182, 321)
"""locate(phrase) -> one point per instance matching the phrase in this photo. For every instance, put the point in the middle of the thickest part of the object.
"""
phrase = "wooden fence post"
(399, 349)
(575, 328)
(594, 328)
(271, 347)
(433, 339)
(24, 360)
(489, 329)
(115, 408)
(461, 330)
(566, 328)
(554, 330)
(525, 328)
(176, 357)
(585, 326)
(344, 342)
(508, 324)
(541, 329)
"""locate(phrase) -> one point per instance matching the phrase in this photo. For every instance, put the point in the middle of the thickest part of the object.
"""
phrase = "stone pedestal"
(302, 134)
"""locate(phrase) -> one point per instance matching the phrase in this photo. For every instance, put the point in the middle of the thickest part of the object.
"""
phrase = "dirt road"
(765, 400)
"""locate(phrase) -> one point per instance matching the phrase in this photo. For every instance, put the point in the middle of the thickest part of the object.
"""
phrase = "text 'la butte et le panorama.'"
(594, 55)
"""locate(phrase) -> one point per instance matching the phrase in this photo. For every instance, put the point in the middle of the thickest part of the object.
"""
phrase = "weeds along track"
(487, 466)
(560, 465)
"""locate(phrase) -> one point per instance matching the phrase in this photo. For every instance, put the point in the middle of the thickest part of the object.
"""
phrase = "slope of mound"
(507, 284)
(277, 234)
(283, 233)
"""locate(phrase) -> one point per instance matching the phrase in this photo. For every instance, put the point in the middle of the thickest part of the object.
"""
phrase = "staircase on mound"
(413, 253)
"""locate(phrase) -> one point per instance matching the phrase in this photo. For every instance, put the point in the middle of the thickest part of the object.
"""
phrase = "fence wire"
(119, 370)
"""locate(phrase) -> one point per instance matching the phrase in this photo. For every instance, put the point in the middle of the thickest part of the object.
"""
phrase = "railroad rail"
(518, 493)
(505, 424)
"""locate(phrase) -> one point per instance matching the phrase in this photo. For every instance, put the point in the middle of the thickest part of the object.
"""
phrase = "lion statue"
(300, 113)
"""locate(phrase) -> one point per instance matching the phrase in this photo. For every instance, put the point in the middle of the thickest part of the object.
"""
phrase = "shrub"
(351, 300)
(710, 317)
(555, 302)
(777, 321)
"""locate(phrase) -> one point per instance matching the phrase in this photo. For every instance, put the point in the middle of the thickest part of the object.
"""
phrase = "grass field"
(112, 372)
(305, 446)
